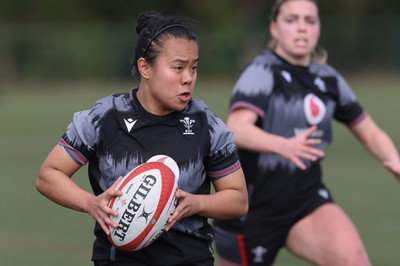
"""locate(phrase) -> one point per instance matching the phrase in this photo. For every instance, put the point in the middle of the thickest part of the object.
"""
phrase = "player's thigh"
(327, 236)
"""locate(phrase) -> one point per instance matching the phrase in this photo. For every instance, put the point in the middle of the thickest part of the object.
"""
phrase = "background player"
(124, 130)
(281, 112)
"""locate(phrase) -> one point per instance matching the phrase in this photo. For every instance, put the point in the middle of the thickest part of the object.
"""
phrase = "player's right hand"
(99, 210)
(301, 147)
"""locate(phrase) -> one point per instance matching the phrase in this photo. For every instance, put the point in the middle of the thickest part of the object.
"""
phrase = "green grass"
(35, 231)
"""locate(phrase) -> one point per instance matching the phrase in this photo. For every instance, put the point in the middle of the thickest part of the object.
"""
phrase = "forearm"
(382, 147)
(226, 204)
(375, 140)
(230, 199)
(62, 190)
(250, 137)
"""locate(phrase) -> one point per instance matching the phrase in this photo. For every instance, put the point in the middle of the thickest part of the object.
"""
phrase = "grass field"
(35, 231)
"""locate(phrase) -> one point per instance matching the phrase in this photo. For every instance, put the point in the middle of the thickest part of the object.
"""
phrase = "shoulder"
(326, 70)
(346, 93)
(258, 76)
(264, 60)
(91, 119)
(118, 101)
(321, 69)
(199, 107)
(196, 105)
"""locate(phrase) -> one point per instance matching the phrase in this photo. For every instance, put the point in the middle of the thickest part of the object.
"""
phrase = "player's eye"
(290, 19)
(311, 21)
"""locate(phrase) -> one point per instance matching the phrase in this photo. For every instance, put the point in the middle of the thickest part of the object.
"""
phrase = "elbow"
(43, 181)
(244, 208)
(39, 185)
(241, 209)
(244, 204)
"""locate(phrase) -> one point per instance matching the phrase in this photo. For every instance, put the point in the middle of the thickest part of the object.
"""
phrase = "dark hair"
(153, 29)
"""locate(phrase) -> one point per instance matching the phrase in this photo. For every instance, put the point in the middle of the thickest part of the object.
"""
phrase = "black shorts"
(208, 262)
(260, 246)
(171, 248)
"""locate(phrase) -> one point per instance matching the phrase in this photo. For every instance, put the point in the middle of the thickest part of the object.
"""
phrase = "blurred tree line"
(71, 39)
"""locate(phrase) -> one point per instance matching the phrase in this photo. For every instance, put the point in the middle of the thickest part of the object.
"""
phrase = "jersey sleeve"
(348, 111)
(81, 136)
(222, 159)
(252, 88)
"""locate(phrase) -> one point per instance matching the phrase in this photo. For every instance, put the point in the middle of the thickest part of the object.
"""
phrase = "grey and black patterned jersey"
(116, 134)
(289, 99)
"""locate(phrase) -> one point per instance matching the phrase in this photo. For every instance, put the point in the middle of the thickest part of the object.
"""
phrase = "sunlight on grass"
(33, 115)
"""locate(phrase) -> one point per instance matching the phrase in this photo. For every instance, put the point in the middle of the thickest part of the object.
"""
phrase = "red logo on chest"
(314, 109)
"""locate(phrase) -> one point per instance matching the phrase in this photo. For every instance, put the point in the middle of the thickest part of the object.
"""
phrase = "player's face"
(173, 76)
(296, 30)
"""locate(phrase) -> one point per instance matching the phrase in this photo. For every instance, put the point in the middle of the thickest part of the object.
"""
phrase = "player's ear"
(273, 30)
(143, 67)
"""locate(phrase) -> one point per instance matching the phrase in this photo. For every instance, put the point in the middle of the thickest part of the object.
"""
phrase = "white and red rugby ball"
(148, 200)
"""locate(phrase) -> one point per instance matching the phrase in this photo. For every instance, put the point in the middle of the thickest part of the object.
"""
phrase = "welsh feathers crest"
(188, 124)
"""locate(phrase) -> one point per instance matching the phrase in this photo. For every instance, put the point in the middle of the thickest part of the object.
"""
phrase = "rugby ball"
(168, 161)
(148, 200)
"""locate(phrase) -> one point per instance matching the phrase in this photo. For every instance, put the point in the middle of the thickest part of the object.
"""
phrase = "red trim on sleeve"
(65, 145)
(358, 120)
(226, 171)
(248, 106)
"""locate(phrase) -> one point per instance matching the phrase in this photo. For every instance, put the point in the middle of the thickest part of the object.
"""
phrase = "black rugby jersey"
(288, 99)
(116, 134)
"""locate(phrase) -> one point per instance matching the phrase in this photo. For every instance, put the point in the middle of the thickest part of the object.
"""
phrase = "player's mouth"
(301, 42)
(184, 97)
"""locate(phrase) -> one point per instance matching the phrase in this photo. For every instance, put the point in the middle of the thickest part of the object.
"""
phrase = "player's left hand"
(187, 206)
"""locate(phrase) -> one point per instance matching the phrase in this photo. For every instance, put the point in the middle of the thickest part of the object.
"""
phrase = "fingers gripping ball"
(148, 200)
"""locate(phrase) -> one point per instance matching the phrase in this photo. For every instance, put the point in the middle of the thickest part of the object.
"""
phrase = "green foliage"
(73, 39)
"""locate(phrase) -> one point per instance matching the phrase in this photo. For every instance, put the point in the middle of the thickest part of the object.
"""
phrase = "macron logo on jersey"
(129, 123)
(286, 75)
(323, 193)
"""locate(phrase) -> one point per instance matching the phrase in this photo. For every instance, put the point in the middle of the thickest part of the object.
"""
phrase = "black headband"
(158, 33)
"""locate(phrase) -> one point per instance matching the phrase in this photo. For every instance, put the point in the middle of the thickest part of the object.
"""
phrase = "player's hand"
(187, 206)
(301, 147)
(393, 167)
(99, 210)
